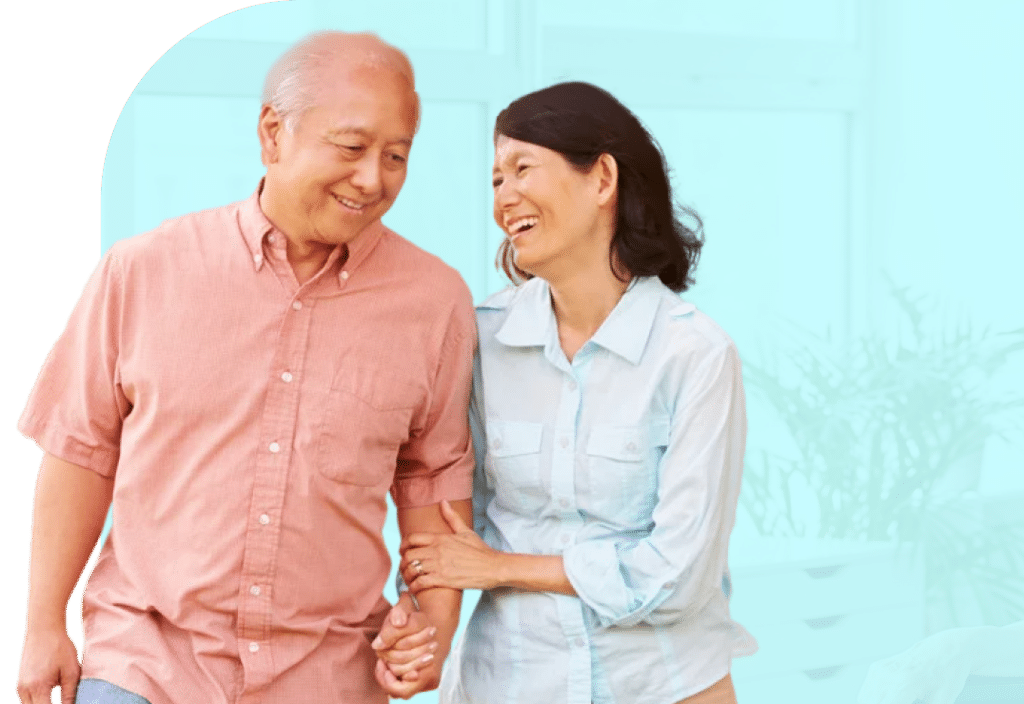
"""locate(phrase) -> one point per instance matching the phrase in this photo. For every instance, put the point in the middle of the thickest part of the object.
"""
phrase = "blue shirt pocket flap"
(628, 443)
(508, 438)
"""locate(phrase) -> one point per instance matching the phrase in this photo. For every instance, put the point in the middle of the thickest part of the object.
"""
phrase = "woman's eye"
(397, 158)
(521, 168)
(496, 182)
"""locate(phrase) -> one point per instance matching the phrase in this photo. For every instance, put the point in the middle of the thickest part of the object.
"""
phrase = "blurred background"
(857, 164)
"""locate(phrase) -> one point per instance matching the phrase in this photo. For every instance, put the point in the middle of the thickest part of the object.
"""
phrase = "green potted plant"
(886, 435)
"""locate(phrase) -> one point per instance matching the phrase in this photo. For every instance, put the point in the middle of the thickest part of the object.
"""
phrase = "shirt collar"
(531, 319)
(255, 227)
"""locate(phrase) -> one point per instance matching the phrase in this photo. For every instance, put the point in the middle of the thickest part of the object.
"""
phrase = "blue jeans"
(92, 691)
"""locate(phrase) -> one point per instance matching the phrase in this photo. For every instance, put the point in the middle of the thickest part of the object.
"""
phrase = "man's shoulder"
(421, 265)
(178, 234)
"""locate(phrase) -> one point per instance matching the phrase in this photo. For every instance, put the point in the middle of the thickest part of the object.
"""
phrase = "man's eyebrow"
(354, 130)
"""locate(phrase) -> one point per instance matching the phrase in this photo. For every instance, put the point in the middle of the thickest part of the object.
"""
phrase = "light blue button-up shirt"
(626, 462)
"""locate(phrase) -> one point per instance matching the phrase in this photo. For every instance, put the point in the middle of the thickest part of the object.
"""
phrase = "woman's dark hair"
(581, 122)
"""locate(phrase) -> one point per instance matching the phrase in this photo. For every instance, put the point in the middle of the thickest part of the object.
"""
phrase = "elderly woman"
(609, 428)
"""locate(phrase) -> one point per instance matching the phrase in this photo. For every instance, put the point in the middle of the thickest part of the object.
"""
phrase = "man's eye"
(398, 158)
(352, 147)
(521, 168)
(496, 182)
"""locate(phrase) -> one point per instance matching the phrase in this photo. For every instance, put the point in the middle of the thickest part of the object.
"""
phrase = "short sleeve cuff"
(59, 443)
(455, 483)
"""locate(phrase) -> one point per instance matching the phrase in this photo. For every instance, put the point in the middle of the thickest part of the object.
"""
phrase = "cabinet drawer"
(814, 589)
(837, 684)
(815, 643)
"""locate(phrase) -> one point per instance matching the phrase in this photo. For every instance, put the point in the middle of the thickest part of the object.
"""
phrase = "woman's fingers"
(418, 540)
(420, 661)
(416, 640)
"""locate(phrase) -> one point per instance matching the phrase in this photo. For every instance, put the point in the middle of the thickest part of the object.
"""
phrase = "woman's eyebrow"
(512, 158)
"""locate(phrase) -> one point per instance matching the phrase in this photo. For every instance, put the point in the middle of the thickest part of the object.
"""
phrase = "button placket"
(563, 479)
(272, 460)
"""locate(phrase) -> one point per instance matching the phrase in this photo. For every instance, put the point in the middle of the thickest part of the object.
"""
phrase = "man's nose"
(367, 175)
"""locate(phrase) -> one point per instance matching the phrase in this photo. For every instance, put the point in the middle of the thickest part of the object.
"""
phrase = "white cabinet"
(822, 611)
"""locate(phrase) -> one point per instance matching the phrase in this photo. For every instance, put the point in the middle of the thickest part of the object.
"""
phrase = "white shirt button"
(564, 442)
(631, 446)
(578, 642)
(564, 503)
(274, 447)
(565, 538)
(286, 377)
(264, 519)
(572, 385)
(254, 590)
(344, 275)
(296, 305)
(254, 647)
(497, 444)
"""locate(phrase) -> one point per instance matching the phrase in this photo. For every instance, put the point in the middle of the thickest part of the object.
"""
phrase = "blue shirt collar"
(531, 319)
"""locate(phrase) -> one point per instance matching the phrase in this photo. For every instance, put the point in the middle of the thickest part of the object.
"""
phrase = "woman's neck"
(581, 302)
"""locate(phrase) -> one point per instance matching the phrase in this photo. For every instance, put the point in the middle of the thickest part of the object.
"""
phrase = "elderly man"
(243, 386)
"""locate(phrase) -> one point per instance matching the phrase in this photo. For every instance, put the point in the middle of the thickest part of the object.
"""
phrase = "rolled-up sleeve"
(673, 571)
(437, 461)
(77, 406)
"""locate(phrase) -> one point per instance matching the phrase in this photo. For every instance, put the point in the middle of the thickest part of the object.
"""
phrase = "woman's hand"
(461, 560)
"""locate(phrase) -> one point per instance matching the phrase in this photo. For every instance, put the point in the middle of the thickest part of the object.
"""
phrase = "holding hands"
(409, 654)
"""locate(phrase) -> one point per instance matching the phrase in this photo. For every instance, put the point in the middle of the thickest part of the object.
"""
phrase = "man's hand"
(49, 660)
(407, 651)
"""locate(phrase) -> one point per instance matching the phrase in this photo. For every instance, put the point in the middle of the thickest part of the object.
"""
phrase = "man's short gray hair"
(291, 84)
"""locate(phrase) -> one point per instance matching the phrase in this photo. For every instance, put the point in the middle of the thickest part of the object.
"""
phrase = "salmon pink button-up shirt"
(253, 428)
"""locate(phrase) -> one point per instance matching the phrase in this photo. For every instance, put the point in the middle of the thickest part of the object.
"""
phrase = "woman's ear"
(607, 173)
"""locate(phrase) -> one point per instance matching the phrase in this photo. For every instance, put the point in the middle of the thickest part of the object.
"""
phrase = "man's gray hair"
(291, 84)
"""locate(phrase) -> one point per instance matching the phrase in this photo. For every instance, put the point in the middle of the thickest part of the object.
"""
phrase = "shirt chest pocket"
(622, 466)
(366, 420)
(513, 464)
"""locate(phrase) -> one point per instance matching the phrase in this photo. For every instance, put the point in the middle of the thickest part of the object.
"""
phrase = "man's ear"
(269, 131)
(607, 172)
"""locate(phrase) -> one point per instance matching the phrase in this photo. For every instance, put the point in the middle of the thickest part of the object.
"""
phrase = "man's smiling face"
(342, 163)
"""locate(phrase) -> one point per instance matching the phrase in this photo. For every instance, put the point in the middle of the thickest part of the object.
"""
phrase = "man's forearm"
(440, 605)
(71, 504)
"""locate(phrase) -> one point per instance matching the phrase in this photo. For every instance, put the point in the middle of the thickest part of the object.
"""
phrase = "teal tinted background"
(857, 166)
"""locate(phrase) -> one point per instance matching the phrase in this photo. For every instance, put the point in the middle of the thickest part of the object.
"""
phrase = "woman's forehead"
(507, 149)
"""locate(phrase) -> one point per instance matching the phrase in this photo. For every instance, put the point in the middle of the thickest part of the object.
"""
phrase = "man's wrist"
(48, 620)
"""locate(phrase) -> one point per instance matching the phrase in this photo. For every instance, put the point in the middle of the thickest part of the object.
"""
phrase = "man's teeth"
(349, 203)
(518, 226)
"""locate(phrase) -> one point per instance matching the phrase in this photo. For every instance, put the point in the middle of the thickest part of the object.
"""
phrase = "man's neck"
(306, 255)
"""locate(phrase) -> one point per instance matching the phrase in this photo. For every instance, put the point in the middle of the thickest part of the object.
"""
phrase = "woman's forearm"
(535, 573)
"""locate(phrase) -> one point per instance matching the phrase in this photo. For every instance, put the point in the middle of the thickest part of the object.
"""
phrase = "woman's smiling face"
(546, 206)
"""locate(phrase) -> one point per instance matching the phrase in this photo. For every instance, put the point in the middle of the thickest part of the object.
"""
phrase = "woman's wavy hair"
(581, 122)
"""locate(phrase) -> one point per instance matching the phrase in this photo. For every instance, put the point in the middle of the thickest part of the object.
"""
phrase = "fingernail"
(426, 658)
(434, 646)
(433, 632)
(377, 642)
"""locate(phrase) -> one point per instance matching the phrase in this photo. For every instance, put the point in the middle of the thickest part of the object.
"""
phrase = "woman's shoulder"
(686, 328)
